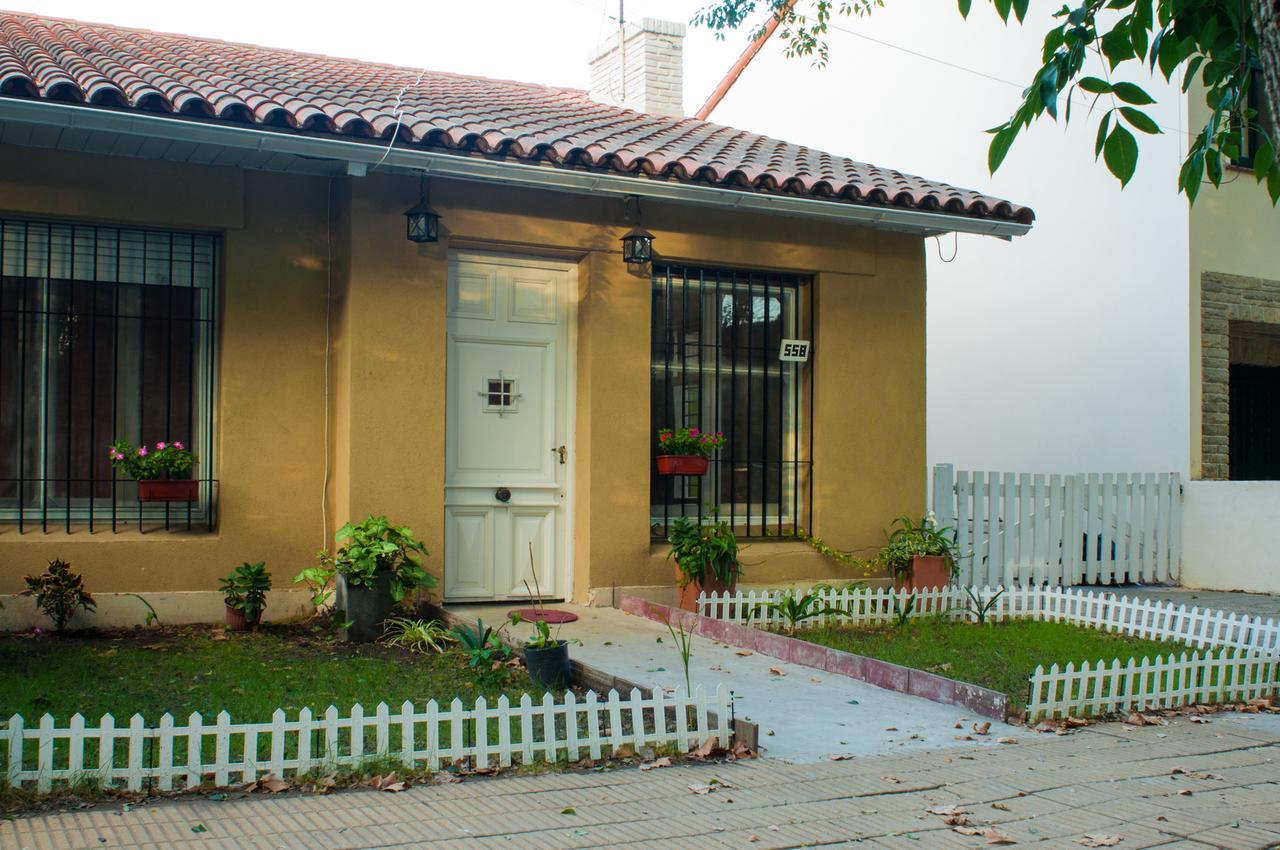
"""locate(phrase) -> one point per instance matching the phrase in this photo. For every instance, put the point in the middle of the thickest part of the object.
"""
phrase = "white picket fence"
(224, 752)
(1240, 659)
(1101, 688)
(1088, 528)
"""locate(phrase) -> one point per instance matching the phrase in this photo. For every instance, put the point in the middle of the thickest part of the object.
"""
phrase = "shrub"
(371, 548)
(704, 548)
(59, 592)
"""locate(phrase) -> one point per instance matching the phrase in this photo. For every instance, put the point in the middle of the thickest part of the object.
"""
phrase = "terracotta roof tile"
(102, 65)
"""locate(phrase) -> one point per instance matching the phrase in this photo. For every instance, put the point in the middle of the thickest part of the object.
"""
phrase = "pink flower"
(160, 447)
(662, 438)
(142, 451)
(693, 432)
(178, 445)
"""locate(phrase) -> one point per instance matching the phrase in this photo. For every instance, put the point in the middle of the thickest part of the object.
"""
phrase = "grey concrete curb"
(893, 677)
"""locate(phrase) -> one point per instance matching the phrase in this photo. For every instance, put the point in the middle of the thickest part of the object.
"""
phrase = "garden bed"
(1000, 656)
(207, 669)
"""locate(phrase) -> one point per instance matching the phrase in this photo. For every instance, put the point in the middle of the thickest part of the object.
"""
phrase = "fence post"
(944, 494)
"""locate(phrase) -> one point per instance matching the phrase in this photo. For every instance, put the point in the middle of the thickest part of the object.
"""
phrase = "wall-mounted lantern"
(422, 224)
(637, 243)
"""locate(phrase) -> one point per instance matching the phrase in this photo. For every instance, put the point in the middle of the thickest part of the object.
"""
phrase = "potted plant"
(377, 564)
(706, 556)
(163, 473)
(59, 592)
(919, 556)
(546, 657)
(245, 595)
(686, 451)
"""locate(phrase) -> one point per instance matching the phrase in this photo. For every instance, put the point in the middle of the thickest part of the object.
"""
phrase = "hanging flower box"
(682, 465)
(165, 490)
(686, 451)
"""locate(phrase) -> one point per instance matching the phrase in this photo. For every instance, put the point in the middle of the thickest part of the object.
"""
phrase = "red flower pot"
(166, 490)
(682, 465)
(238, 622)
(688, 595)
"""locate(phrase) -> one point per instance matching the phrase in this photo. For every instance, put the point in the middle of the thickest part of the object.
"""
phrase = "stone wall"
(1226, 299)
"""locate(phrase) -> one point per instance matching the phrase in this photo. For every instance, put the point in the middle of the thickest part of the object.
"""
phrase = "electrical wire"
(955, 249)
(328, 354)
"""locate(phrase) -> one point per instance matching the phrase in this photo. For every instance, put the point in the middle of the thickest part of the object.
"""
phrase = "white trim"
(465, 167)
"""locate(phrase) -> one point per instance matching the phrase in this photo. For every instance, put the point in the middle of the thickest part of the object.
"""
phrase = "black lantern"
(637, 247)
(422, 224)
(637, 243)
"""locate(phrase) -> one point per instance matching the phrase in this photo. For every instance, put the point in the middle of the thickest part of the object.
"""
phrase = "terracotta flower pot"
(167, 490)
(238, 622)
(927, 572)
(682, 465)
(688, 594)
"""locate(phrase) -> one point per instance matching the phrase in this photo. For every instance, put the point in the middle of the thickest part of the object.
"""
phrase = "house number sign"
(794, 351)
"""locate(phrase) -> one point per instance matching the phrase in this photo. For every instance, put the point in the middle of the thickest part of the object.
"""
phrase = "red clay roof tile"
(110, 66)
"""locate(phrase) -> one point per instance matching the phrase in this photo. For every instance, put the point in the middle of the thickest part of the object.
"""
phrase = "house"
(1234, 496)
(207, 241)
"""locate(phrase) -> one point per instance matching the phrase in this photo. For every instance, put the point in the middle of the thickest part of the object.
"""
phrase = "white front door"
(508, 428)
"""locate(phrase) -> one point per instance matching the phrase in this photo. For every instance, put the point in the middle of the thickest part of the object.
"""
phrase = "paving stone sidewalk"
(1107, 781)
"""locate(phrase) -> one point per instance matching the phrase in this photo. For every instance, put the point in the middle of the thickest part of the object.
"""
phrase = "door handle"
(562, 451)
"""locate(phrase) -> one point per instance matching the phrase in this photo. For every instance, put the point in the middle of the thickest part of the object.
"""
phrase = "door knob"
(562, 451)
(502, 494)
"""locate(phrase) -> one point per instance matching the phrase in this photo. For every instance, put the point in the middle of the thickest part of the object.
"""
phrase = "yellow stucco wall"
(1233, 229)
(387, 326)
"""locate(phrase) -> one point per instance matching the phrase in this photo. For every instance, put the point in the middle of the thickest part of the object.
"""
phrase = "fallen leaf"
(959, 725)
(956, 820)
(274, 785)
(568, 810)
(624, 751)
(996, 837)
(744, 652)
(965, 738)
(814, 679)
(982, 728)
(839, 756)
(1006, 740)
(775, 671)
(753, 838)
(394, 787)
(967, 830)
(893, 779)
(662, 762)
(1099, 840)
(1185, 792)
(199, 827)
(1195, 718)
(891, 728)
(947, 810)
(707, 748)
(702, 789)
(1001, 806)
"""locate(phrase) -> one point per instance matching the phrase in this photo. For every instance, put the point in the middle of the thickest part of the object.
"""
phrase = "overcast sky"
(1063, 351)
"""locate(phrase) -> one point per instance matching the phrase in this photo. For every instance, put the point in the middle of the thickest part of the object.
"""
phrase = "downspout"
(735, 71)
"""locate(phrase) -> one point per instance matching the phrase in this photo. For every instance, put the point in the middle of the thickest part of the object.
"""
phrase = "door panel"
(506, 414)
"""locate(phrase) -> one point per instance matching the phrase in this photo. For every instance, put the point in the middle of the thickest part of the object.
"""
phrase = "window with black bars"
(106, 333)
(716, 343)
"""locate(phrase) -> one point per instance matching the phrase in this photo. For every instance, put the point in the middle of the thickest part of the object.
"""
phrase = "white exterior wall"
(1229, 539)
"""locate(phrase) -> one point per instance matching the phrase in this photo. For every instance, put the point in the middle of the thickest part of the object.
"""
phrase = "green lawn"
(999, 656)
(181, 670)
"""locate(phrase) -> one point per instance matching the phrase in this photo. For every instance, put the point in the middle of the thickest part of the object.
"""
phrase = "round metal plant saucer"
(545, 615)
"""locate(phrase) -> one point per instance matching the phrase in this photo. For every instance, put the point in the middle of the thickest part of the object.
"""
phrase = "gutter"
(462, 167)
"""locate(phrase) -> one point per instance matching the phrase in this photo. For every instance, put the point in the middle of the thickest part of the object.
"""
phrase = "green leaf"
(1020, 9)
(1273, 184)
(965, 6)
(1003, 8)
(1049, 89)
(1094, 85)
(1103, 127)
(1000, 147)
(1117, 47)
(1121, 154)
(1263, 158)
(1140, 120)
(1131, 93)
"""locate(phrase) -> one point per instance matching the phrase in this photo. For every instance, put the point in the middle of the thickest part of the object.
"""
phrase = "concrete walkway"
(1253, 604)
(1108, 781)
(804, 714)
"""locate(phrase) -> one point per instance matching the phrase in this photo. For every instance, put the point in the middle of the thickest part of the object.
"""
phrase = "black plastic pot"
(367, 607)
(549, 665)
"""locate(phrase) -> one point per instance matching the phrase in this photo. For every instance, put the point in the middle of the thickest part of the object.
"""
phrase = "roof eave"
(463, 167)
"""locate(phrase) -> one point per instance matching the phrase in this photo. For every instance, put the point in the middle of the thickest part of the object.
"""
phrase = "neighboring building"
(1233, 499)
(206, 241)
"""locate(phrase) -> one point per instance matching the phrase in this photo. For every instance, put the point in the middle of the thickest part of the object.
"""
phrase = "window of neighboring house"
(105, 333)
(1254, 134)
(1253, 402)
(716, 337)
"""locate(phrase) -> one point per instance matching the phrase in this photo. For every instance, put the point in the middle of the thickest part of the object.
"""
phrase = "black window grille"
(105, 333)
(716, 340)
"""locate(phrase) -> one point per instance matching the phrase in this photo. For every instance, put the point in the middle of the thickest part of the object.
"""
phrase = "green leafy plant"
(151, 618)
(542, 636)
(689, 441)
(483, 646)
(417, 635)
(245, 590)
(703, 550)
(369, 549)
(978, 608)
(59, 592)
(910, 540)
(164, 460)
(683, 640)
(795, 608)
(902, 612)
(319, 581)
(1232, 48)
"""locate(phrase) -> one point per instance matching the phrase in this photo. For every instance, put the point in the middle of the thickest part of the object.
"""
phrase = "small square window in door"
(500, 395)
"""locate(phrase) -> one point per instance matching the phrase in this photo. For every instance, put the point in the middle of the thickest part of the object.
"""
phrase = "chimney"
(646, 73)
